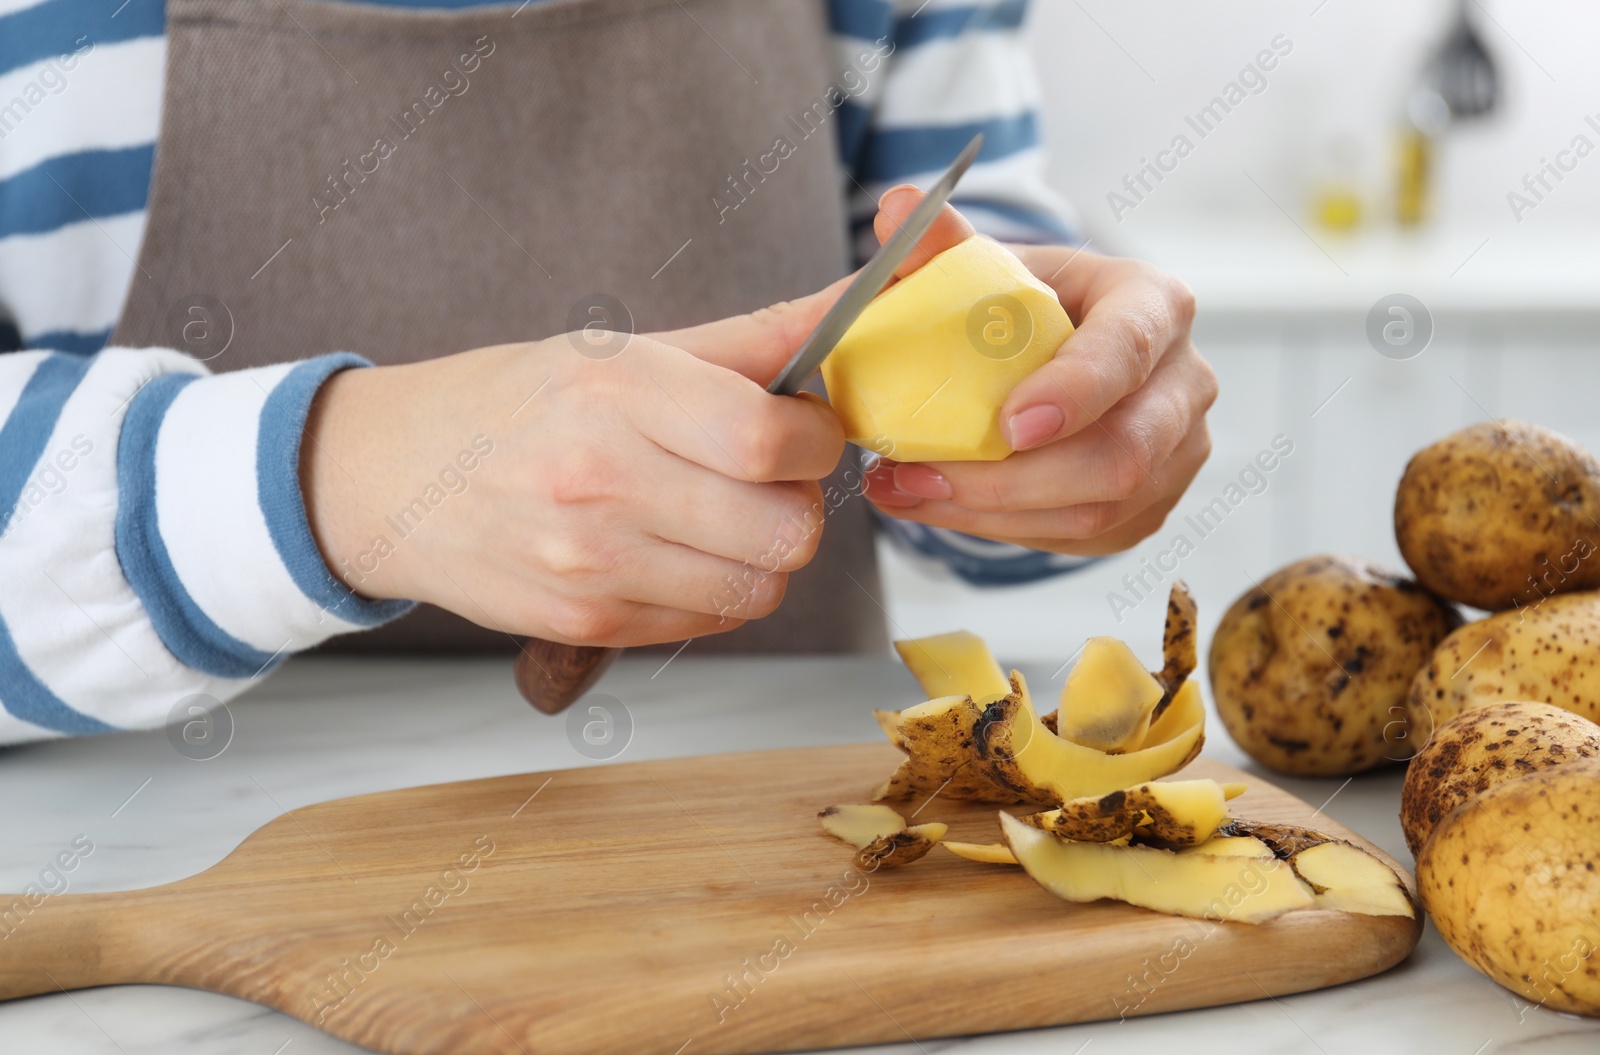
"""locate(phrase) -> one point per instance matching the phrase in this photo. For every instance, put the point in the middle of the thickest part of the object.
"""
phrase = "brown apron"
(405, 184)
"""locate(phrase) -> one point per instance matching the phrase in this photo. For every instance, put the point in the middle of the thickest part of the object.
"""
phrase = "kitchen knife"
(870, 280)
(552, 676)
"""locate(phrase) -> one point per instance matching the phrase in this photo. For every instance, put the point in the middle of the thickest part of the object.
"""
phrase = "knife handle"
(552, 676)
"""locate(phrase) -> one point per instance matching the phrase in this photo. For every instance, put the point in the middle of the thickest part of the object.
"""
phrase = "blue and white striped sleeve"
(951, 68)
(946, 70)
(154, 543)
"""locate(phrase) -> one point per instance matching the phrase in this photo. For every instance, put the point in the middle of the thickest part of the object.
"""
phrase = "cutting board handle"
(50, 943)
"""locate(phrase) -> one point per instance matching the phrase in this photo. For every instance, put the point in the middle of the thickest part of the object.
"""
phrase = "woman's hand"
(653, 495)
(1108, 434)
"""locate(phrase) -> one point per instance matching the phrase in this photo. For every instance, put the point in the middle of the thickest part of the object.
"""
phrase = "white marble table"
(328, 728)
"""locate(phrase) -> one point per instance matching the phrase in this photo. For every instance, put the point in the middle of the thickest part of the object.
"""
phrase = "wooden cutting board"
(657, 907)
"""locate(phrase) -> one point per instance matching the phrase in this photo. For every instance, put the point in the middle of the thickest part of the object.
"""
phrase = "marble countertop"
(1250, 264)
(325, 728)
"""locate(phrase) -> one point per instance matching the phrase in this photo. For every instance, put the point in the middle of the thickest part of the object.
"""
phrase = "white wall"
(1118, 78)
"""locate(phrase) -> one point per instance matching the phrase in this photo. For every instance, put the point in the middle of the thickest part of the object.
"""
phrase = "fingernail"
(902, 188)
(922, 481)
(1031, 427)
(881, 489)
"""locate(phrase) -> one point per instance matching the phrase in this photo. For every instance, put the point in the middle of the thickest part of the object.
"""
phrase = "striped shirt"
(116, 607)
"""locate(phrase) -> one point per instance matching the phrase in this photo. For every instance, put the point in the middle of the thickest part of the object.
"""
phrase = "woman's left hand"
(1107, 435)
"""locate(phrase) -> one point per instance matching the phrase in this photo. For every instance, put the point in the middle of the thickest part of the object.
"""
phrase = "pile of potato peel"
(1110, 828)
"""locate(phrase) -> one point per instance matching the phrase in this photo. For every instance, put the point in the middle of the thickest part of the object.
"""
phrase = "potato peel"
(1179, 652)
(1162, 813)
(901, 848)
(984, 853)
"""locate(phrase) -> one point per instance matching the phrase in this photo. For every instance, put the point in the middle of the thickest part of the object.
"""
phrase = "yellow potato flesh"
(985, 853)
(1230, 846)
(861, 825)
(1057, 770)
(954, 664)
(1240, 889)
(1108, 697)
(940, 738)
(922, 373)
(1349, 879)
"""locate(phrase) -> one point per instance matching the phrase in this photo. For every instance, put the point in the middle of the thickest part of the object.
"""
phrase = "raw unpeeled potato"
(1549, 653)
(1484, 748)
(1502, 514)
(922, 373)
(1511, 878)
(1311, 668)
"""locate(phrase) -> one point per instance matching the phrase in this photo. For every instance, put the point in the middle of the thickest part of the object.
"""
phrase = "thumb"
(949, 228)
(758, 344)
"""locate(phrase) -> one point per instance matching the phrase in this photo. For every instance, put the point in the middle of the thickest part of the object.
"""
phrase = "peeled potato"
(922, 373)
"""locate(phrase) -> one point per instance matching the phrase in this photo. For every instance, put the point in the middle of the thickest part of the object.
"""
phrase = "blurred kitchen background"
(1285, 220)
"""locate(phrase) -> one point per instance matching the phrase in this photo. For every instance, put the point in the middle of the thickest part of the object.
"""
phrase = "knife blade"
(871, 279)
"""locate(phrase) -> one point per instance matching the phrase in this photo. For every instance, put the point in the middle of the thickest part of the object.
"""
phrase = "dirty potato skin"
(1549, 653)
(1482, 749)
(1501, 514)
(1310, 669)
(1512, 881)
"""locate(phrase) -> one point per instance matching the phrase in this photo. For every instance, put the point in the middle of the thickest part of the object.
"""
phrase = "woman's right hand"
(539, 489)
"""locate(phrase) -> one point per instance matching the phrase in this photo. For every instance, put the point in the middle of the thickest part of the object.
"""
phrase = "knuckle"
(1130, 467)
(1180, 299)
(569, 557)
(758, 444)
(774, 315)
(583, 621)
(798, 530)
(1208, 388)
(1091, 519)
(703, 626)
(582, 476)
(768, 594)
(1138, 342)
